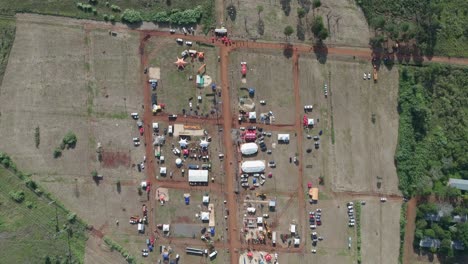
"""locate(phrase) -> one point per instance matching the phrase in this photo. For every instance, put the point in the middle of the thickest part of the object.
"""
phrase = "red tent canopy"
(244, 69)
(250, 254)
(305, 121)
(268, 257)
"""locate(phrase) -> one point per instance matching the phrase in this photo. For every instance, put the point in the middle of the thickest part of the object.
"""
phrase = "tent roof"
(253, 166)
(249, 148)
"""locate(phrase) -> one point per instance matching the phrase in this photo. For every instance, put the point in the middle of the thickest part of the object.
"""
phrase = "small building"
(259, 220)
(283, 138)
(297, 242)
(221, 32)
(459, 184)
(205, 216)
(458, 245)
(249, 148)
(163, 171)
(141, 228)
(310, 122)
(206, 199)
(250, 136)
(198, 177)
(251, 210)
(428, 242)
(252, 117)
(313, 193)
(165, 228)
(253, 166)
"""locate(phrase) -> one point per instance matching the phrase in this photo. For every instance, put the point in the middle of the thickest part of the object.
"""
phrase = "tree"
(378, 22)
(429, 233)
(288, 30)
(301, 12)
(446, 247)
(316, 4)
(462, 233)
(259, 9)
(131, 16)
(318, 28)
(57, 153)
(421, 224)
(70, 139)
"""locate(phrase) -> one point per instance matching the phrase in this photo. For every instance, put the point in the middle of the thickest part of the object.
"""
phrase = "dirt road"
(409, 230)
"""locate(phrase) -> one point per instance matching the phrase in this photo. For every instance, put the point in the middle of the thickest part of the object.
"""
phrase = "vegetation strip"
(357, 208)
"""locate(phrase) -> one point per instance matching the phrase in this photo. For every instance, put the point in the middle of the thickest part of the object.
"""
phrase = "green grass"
(357, 208)
(68, 8)
(7, 36)
(29, 234)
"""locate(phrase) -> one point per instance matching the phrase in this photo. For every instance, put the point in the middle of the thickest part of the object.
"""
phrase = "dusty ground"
(380, 231)
(271, 76)
(62, 78)
(345, 21)
(175, 88)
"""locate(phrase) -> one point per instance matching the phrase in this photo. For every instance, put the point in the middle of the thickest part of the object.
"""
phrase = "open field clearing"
(345, 21)
(62, 78)
(270, 73)
(380, 234)
(28, 229)
(365, 127)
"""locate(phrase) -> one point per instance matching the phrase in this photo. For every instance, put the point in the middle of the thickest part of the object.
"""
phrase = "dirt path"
(148, 140)
(299, 133)
(229, 161)
(219, 11)
(409, 230)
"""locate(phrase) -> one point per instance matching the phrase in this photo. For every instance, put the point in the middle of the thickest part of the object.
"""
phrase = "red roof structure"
(305, 121)
(250, 135)
(244, 69)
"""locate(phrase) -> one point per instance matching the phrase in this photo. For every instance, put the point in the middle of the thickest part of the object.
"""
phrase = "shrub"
(71, 217)
(301, 12)
(57, 153)
(30, 204)
(70, 139)
(37, 137)
(131, 16)
(112, 18)
(17, 196)
(116, 8)
(31, 184)
(105, 17)
(94, 173)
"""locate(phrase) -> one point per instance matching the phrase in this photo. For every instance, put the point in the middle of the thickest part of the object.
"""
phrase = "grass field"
(69, 8)
(7, 36)
(28, 229)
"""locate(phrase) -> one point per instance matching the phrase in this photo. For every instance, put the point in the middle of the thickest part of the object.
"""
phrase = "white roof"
(205, 216)
(221, 30)
(155, 125)
(297, 241)
(206, 199)
(283, 137)
(253, 166)
(259, 220)
(143, 184)
(163, 170)
(252, 115)
(141, 227)
(310, 121)
(165, 228)
(249, 148)
(183, 142)
(251, 209)
(198, 175)
(293, 228)
(204, 143)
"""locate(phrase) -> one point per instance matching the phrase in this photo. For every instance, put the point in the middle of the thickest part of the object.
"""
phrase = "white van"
(213, 254)
(274, 238)
(170, 130)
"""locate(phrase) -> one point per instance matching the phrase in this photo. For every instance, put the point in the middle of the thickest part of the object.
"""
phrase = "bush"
(131, 16)
(37, 137)
(318, 28)
(70, 139)
(94, 173)
(71, 217)
(112, 18)
(31, 184)
(116, 8)
(301, 12)
(30, 204)
(288, 30)
(57, 153)
(17, 196)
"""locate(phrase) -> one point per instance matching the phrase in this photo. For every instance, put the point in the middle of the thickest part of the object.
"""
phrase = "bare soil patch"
(115, 159)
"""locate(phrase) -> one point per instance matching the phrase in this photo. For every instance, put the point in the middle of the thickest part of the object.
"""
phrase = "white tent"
(183, 143)
(206, 199)
(260, 220)
(198, 176)
(251, 210)
(178, 162)
(283, 138)
(297, 241)
(141, 228)
(163, 170)
(143, 184)
(204, 143)
(159, 140)
(252, 115)
(205, 216)
(310, 122)
(249, 148)
(165, 228)
(254, 166)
